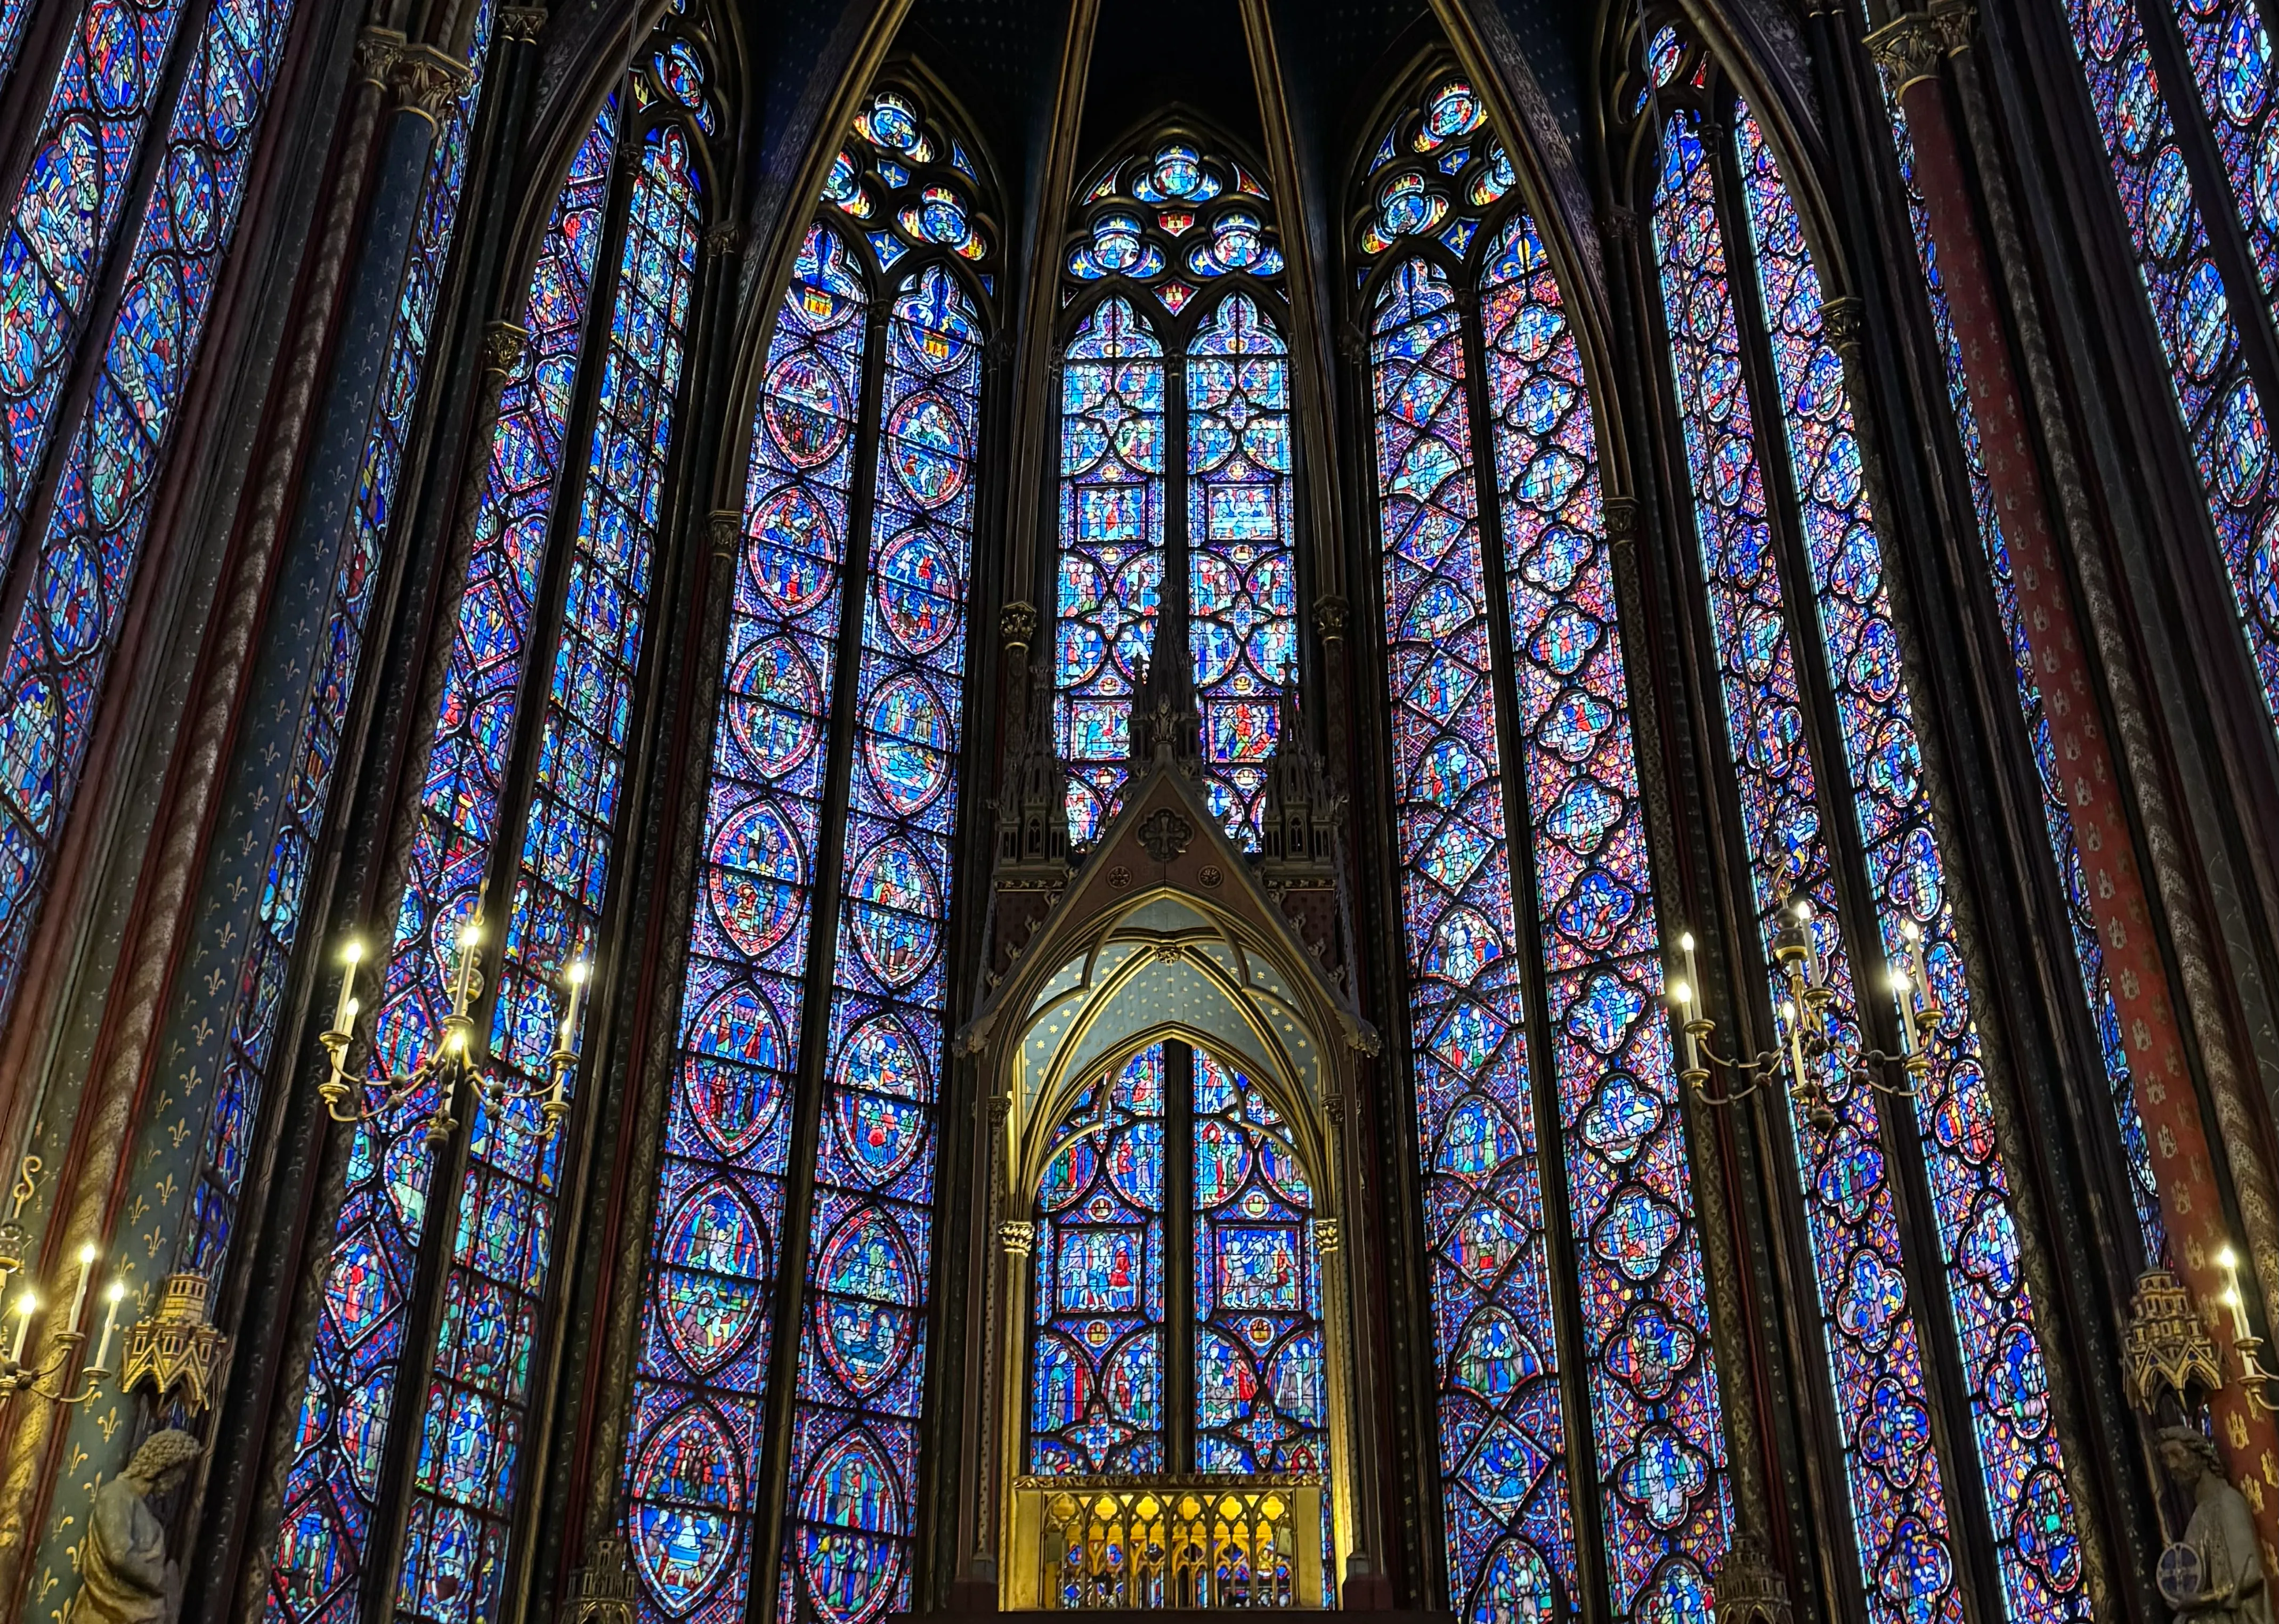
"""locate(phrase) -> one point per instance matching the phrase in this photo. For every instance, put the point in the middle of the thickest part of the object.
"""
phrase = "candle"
(1903, 990)
(116, 1294)
(86, 1256)
(2229, 1261)
(1812, 973)
(1692, 971)
(25, 1305)
(344, 1012)
(577, 979)
(464, 994)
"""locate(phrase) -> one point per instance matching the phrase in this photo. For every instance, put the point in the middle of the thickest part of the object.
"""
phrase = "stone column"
(2191, 1202)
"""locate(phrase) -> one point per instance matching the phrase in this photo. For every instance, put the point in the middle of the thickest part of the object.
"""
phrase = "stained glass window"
(696, 1456)
(2230, 52)
(879, 310)
(1658, 1435)
(1564, 764)
(1261, 1382)
(1242, 591)
(60, 225)
(852, 1511)
(1106, 1269)
(1506, 1495)
(467, 1475)
(2089, 952)
(2225, 419)
(260, 998)
(59, 651)
(1875, 1349)
(330, 1505)
(1096, 1374)
(1156, 233)
(1111, 567)
(2022, 1472)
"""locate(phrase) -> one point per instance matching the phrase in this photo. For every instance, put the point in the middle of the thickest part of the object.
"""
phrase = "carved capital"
(1331, 615)
(1622, 520)
(1955, 20)
(1325, 1236)
(725, 530)
(505, 344)
(1016, 625)
(1017, 1236)
(1845, 321)
(424, 81)
(1906, 49)
(724, 240)
(376, 50)
(1619, 224)
(521, 22)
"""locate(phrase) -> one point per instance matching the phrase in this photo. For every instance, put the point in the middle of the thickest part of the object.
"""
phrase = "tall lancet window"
(81, 469)
(1534, 962)
(847, 645)
(518, 818)
(1772, 455)
(2224, 104)
(1175, 497)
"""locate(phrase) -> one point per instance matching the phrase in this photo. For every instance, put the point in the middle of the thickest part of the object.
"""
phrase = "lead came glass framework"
(857, 529)
(2224, 417)
(260, 999)
(1576, 894)
(1174, 253)
(699, 1423)
(2019, 1461)
(59, 652)
(467, 1459)
(1875, 1349)
(2089, 952)
(1096, 1356)
(467, 1470)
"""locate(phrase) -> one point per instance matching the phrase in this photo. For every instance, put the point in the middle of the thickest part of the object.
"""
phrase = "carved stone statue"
(2229, 1588)
(126, 1576)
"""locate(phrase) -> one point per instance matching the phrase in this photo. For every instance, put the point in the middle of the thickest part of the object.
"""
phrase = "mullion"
(1543, 1088)
(823, 945)
(447, 1177)
(1178, 1258)
(1923, 1259)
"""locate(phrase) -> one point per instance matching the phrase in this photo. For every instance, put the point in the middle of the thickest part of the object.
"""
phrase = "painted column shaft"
(2191, 1202)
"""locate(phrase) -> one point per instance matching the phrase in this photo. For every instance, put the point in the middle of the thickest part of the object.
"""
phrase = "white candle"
(86, 1256)
(117, 1293)
(25, 1306)
(1903, 990)
(577, 978)
(1692, 971)
(2229, 1261)
(344, 1012)
(1811, 943)
(463, 994)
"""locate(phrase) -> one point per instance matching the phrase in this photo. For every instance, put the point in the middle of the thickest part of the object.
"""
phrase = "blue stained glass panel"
(851, 1510)
(1896, 1481)
(1111, 554)
(2225, 418)
(253, 1022)
(1664, 1513)
(1242, 589)
(331, 1487)
(1508, 1517)
(60, 222)
(2065, 847)
(1096, 1350)
(716, 1246)
(464, 1484)
(59, 651)
(2044, 1576)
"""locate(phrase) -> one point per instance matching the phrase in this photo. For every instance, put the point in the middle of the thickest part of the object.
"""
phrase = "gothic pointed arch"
(791, 1243)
